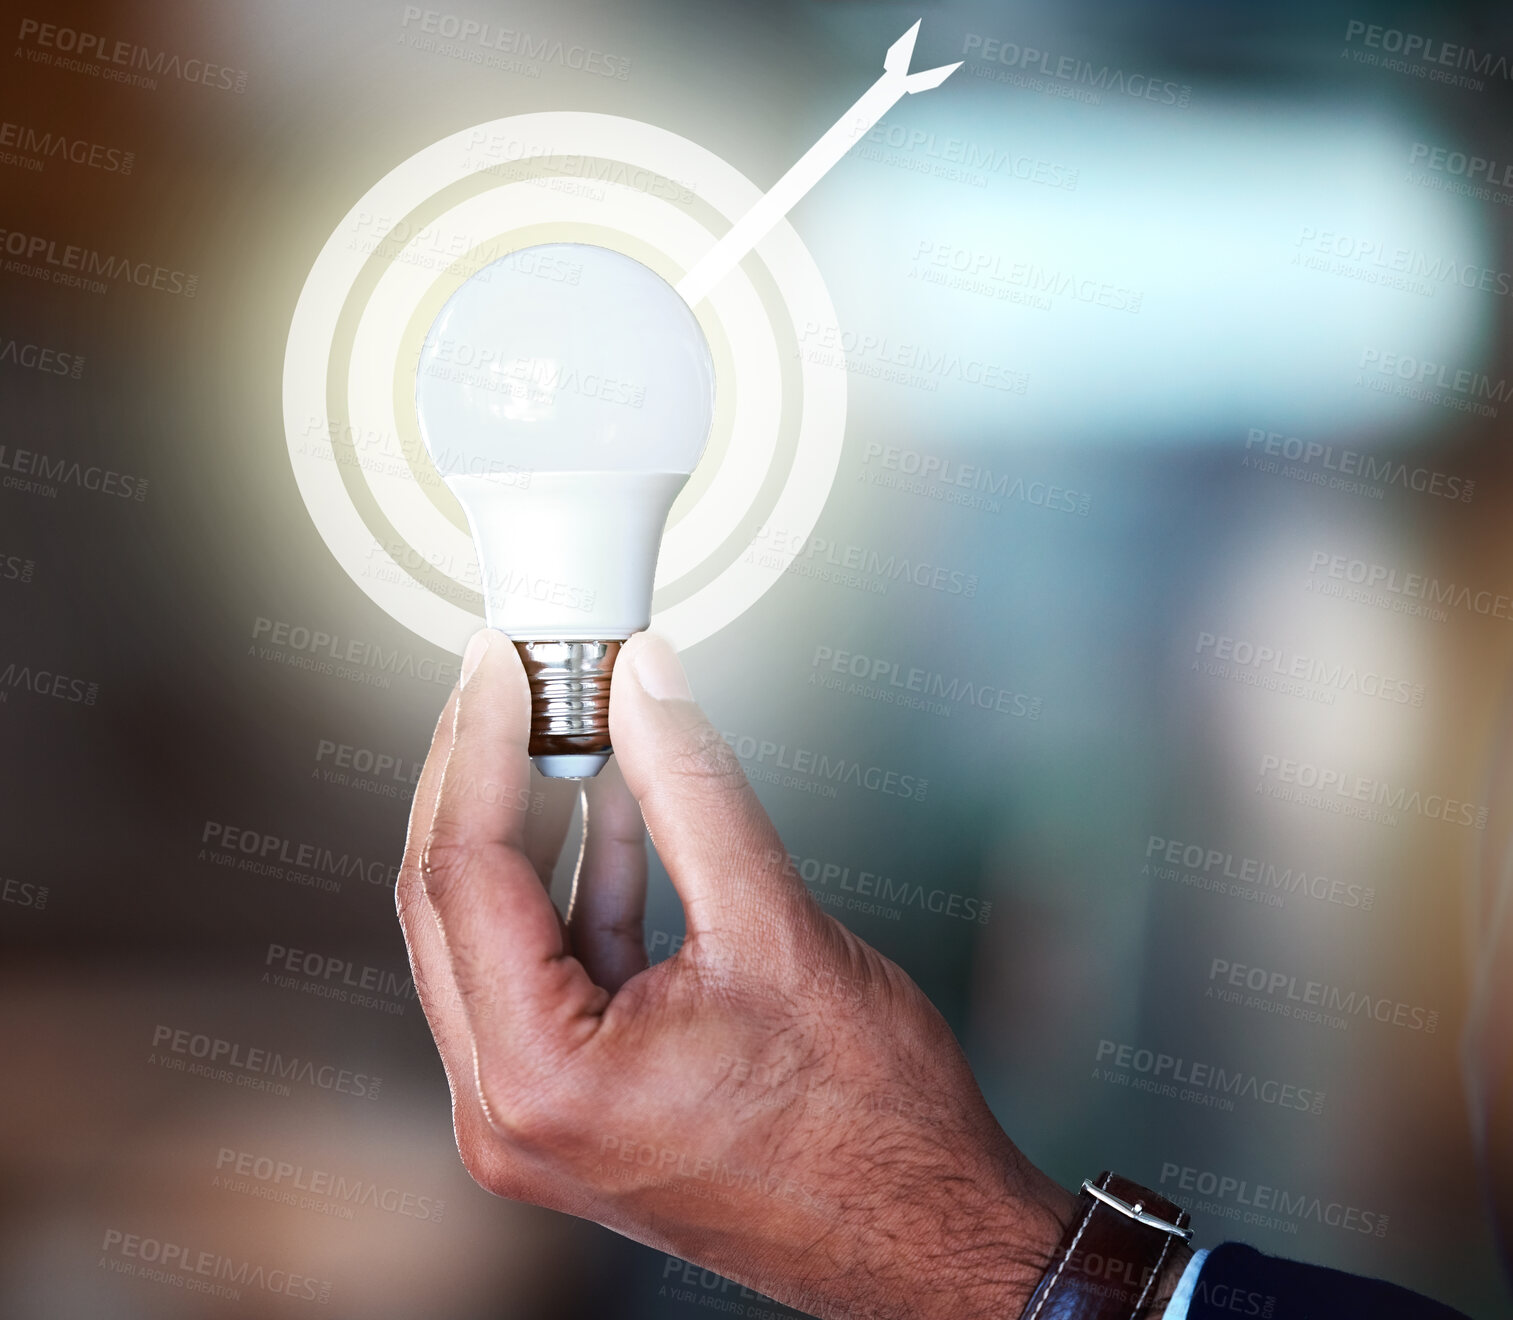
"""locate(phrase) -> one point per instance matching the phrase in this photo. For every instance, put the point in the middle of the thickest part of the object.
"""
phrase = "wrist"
(996, 1251)
(1017, 1240)
(1104, 1264)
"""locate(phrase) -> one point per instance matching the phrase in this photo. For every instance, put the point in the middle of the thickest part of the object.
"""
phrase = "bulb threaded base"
(569, 705)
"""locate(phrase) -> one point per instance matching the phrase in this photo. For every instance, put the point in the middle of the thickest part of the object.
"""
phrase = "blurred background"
(1204, 702)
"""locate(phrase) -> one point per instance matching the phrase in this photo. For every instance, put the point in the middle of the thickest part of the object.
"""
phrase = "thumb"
(719, 846)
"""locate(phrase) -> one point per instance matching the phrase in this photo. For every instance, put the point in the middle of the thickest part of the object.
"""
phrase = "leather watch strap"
(1111, 1255)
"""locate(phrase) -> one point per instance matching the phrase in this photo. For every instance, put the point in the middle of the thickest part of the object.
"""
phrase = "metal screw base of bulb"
(569, 705)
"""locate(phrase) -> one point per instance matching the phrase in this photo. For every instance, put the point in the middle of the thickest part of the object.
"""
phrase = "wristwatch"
(1111, 1256)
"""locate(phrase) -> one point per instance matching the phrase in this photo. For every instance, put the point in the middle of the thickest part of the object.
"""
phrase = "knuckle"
(702, 754)
(411, 902)
(601, 937)
(516, 1117)
(477, 1158)
(406, 899)
(620, 831)
(486, 1164)
(446, 861)
(630, 929)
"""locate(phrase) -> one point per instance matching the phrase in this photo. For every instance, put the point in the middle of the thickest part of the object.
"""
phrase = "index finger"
(514, 973)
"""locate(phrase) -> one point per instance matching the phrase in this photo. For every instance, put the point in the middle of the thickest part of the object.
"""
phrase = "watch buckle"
(1137, 1212)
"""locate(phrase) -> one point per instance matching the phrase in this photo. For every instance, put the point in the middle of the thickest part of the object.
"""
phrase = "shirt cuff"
(1176, 1309)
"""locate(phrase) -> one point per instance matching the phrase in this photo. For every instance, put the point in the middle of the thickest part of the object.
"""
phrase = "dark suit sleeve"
(1239, 1283)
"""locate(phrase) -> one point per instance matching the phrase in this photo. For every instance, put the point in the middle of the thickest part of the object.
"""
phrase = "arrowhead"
(902, 51)
(928, 78)
(896, 62)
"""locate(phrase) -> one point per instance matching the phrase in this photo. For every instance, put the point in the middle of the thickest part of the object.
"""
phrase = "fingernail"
(478, 645)
(659, 672)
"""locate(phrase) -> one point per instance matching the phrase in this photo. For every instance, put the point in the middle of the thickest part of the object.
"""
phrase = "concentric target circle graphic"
(466, 201)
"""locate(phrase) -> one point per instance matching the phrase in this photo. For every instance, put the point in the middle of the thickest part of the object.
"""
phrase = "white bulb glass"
(565, 394)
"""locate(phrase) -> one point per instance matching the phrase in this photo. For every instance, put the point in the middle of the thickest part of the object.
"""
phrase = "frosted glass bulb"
(565, 394)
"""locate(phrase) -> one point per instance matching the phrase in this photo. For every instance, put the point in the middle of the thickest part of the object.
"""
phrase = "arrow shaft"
(784, 195)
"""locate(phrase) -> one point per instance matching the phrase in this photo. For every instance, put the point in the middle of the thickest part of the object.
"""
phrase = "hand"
(777, 1101)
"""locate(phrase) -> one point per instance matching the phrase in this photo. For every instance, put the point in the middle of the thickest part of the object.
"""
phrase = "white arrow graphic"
(813, 165)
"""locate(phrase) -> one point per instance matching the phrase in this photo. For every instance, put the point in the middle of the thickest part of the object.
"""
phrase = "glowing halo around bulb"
(466, 201)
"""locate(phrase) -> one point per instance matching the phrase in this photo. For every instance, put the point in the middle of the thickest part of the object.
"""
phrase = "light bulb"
(565, 394)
